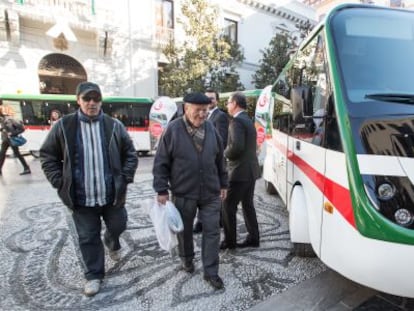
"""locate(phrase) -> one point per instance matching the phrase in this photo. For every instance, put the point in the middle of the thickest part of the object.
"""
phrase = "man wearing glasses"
(90, 158)
(243, 169)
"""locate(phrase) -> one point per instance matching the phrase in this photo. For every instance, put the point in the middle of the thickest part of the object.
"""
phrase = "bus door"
(309, 97)
(278, 154)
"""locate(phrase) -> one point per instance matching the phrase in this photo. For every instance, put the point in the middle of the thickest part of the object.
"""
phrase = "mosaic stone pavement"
(40, 261)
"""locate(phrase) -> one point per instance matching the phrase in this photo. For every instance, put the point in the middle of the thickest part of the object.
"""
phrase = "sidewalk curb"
(327, 291)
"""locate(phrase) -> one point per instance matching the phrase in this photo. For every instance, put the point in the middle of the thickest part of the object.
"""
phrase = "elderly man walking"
(189, 163)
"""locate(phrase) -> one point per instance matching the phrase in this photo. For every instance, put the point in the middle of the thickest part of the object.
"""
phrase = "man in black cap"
(90, 158)
(189, 163)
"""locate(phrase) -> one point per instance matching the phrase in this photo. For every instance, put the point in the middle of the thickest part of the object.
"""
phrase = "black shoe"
(248, 243)
(225, 245)
(214, 281)
(198, 227)
(188, 266)
(26, 171)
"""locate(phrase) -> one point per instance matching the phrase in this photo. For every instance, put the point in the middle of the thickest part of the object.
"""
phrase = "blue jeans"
(88, 226)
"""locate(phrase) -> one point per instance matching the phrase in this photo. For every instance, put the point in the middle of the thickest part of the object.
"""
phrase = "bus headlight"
(385, 191)
(403, 217)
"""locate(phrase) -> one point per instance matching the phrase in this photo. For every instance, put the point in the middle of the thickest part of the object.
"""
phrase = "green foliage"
(204, 58)
(275, 57)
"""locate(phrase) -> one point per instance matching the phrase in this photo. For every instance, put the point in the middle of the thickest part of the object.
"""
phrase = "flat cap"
(197, 98)
(86, 87)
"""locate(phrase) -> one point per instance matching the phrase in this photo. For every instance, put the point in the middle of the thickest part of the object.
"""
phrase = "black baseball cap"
(86, 87)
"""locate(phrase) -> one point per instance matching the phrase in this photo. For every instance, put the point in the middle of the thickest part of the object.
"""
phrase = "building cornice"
(279, 11)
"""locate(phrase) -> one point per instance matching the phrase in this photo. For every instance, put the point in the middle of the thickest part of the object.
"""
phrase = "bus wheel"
(270, 189)
(35, 153)
(303, 250)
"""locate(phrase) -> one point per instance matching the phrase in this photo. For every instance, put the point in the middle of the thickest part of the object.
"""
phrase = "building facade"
(48, 46)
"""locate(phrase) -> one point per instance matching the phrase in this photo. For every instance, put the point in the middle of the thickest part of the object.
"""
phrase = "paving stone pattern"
(40, 267)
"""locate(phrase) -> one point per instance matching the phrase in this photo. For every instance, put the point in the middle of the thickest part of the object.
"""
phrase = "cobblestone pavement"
(40, 261)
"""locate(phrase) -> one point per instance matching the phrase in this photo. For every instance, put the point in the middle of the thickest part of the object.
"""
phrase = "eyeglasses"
(88, 98)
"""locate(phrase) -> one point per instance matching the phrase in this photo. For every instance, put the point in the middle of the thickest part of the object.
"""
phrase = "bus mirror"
(297, 106)
(282, 88)
(307, 100)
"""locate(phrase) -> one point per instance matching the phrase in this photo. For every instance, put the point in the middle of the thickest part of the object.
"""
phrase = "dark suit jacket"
(241, 149)
(221, 122)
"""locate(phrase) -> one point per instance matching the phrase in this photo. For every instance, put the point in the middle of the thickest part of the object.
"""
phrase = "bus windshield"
(375, 50)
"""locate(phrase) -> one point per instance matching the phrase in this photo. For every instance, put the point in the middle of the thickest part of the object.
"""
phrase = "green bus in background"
(39, 112)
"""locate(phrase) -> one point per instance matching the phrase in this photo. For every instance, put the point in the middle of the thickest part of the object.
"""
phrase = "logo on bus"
(158, 105)
(156, 129)
(261, 135)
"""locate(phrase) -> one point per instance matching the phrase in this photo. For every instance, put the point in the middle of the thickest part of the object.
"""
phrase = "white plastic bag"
(174, 218)
(167, 239)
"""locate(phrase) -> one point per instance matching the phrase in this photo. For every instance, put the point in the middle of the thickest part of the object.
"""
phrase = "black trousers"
(4, 146)
(240, 191)
(209, 213)
(88, 226)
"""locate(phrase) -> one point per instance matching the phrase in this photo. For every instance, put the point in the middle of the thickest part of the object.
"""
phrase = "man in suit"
(243, 170)
(221, 122)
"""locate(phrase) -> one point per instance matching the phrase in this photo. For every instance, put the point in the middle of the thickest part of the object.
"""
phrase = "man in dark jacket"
(90, 158)
(220, 121)
(189, 162)
(9, 128)
(243, 169)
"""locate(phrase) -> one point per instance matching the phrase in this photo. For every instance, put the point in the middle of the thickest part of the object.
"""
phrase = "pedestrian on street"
(243, 169)
(10, 127)
(90, 158)
(189, 162)
(221, 122)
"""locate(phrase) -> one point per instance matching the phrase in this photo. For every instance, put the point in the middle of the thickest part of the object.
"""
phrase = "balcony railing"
(163, 35)
(74, 11)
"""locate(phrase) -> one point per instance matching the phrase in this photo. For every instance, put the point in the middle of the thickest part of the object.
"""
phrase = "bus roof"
(66, 97)
(247, 93)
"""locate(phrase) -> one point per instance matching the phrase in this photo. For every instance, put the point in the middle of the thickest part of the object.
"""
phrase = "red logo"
(158, 105)
(260, 135)
(263, 100)
(156, 130)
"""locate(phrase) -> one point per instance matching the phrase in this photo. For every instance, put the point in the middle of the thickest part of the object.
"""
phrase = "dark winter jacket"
(10, 127)
(180, 168)
(57, 156)
(242, 162)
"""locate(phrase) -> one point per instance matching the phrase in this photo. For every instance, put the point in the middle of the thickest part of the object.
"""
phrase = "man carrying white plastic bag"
(189, 163)
(167, 223)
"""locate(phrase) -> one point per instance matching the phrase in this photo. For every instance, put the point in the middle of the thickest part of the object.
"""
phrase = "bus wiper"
(392, 97)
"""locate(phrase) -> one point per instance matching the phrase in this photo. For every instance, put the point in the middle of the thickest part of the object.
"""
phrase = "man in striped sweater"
(90, 158)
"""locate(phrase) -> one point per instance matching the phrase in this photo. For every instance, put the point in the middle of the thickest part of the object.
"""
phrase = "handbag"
(17, 141)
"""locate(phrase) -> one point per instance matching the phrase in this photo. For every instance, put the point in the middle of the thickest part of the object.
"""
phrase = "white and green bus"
(341, 150)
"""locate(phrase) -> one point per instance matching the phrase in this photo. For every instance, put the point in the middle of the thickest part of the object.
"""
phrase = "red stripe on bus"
(47, 127)
(338, 195)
